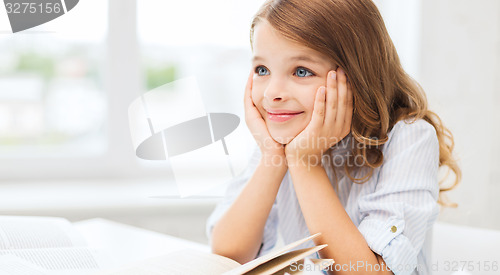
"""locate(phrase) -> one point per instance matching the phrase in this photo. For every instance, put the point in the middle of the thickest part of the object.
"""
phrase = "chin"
(283, 140)
(282, 137)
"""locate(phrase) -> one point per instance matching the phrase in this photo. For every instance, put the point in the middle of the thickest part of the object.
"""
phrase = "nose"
(275, 91)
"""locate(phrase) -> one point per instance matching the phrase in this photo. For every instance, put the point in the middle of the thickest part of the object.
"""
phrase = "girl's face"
(286, 78)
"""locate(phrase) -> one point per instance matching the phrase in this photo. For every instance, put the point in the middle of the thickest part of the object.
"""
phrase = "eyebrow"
(293, 58)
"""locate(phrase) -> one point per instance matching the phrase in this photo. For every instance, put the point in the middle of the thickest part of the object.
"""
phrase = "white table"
(456, 247)
(128, 244)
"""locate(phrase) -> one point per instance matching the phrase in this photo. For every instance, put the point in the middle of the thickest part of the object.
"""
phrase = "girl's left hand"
(330, 122)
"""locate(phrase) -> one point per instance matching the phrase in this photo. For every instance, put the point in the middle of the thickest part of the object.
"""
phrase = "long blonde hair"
(353, 34)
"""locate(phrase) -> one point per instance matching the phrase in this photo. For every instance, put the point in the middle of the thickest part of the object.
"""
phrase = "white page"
(12, 265)
(269, 256)
(67, 260)
(183, 262)
(284, 260)
(19, 232)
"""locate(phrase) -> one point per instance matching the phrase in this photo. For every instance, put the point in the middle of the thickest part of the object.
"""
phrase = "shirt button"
(394, 229)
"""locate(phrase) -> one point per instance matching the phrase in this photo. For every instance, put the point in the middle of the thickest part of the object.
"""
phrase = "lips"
(282, 115)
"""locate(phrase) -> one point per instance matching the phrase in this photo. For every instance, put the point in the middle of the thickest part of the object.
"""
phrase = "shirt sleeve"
(403, 207)
(269, 238)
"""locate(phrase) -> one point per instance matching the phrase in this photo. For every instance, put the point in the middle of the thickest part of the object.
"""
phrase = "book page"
(284, 260)
(19, 232)
(67, 260)
(269, 256)
(183, 262)
(12, 265)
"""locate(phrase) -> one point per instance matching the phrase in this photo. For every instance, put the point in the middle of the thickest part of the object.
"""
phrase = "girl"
(346, 144)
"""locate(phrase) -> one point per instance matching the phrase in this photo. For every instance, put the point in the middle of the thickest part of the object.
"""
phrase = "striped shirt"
(394, 210)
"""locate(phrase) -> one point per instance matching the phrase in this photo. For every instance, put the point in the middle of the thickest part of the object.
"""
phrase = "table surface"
(128, 244)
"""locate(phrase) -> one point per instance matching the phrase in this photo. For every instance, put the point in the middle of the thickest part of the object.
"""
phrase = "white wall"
(460, 71)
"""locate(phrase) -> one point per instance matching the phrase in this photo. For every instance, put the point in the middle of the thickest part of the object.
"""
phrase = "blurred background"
(65, 88)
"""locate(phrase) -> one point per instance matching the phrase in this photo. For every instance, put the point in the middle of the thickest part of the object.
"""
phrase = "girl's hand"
(269, 148)
(330, 122)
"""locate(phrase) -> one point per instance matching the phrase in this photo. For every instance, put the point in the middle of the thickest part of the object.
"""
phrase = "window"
(52, 101)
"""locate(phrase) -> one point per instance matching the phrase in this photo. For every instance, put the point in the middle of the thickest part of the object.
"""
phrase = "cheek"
(308, 102)
(310, 106)
(257, 95)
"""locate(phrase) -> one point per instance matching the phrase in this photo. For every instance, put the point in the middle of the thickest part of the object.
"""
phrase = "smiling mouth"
(282, 116)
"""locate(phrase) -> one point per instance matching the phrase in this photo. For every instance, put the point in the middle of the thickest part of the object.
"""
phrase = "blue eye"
(302, 72)
(260, 70)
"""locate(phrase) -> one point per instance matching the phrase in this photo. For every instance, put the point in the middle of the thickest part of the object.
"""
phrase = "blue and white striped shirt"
(400, 196)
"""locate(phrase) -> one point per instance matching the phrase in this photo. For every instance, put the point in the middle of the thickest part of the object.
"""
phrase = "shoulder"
(410, 158)
(412, 126)
(410, 133)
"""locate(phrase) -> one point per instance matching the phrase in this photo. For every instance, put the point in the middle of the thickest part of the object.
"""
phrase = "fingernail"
(322, 90)
(333, 75)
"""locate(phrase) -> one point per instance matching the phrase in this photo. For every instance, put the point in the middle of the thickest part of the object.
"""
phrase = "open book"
(46, 246)
(191, 262)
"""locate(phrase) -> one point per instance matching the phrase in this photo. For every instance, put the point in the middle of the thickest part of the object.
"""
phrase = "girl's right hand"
(269, 148)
